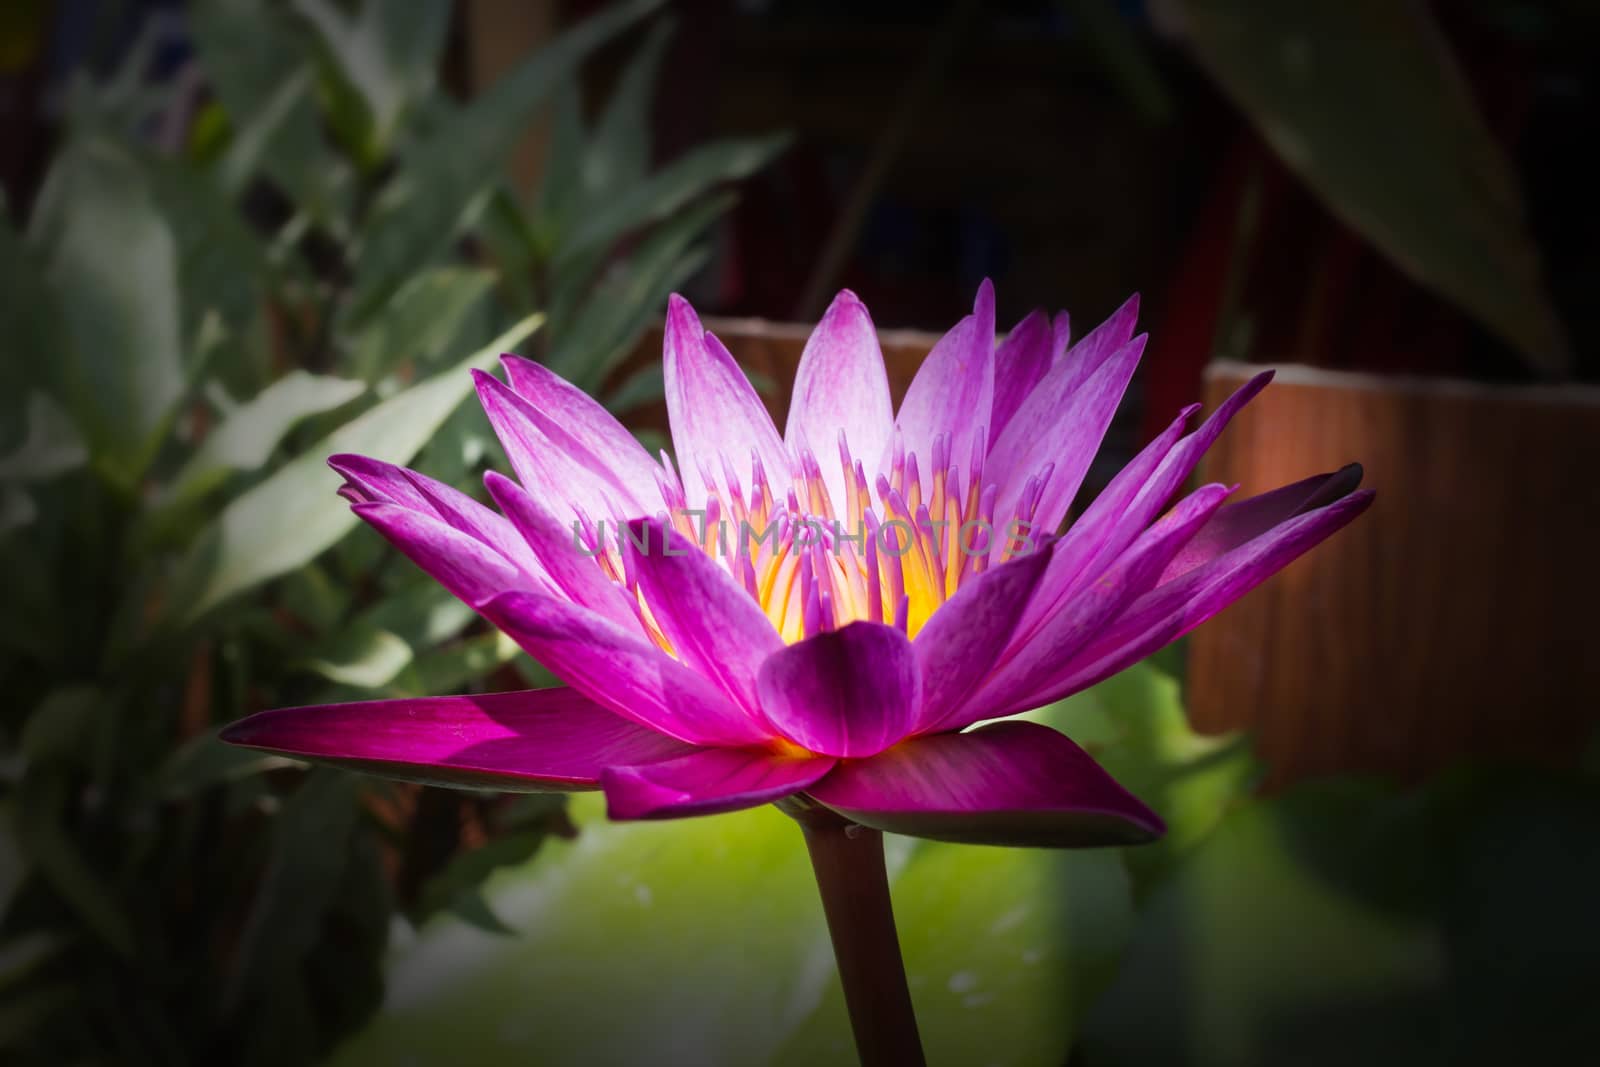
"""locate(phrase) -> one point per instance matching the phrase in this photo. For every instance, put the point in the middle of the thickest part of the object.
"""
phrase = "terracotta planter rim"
(1574, 395)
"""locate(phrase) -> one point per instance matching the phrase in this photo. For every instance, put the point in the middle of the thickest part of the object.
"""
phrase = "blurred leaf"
(246, 439)
(1134, 725)
(388, 51)
(51, 849)
(702, 941)
(422, 319)
(1364, 100)
(32, 332)
(646, 387)
(618, 153)
(458, 888)
(59, 728)
(441, 176)
(670, 189)
(31, 616)
(617, 311)
(561, 180)
(52, 445)
(448, 669)
(13, 864)
(422, 615)
(204, 761)
(1248, 956)
(360, 655)
(112, 260)
(296, 513)
(310, 849)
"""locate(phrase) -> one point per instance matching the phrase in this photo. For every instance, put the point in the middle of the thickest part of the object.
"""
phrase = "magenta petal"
(952, 392)
(460, 562)
(1008, 783)
(712, 623)
(1062, 422)
(623, 671)
(1237, 523)
(706, 782)
(963, 639)
(1038, 653)
(536, 740)
(1171, 610)
(583, 428)
(572, 570)
(850, 692)
(554, 465)
(374, 481)
(1019, 363)
(841, 384)
(715, 413)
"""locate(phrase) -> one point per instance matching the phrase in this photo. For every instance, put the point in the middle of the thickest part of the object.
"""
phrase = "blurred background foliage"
(296, 239)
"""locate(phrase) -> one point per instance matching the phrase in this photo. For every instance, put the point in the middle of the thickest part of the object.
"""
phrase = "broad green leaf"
(423, 317)
(561, 181)
(648, 386)
(52, 445)
(1364, 100)
(59, 728)
(702, 941)
(361, 655)
(112, 260)
(1134, 724)
(296, 513)
(1249, 955)
(422, 614)
(32, 335)
(443, 175)
(671, 189)
(245, 440)
(454, 666)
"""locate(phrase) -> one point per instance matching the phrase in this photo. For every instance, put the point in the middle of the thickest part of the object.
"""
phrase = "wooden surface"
(1457, 617)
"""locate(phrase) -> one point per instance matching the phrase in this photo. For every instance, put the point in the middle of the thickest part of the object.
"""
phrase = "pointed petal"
(1019, 363)
(708, 781)
(850, 692)
(714, 411)
(953, 391)
(963, 639)
(374, 481)
(460, 562)
(1245, 521)
(558, 469)
(536, 740)
(580, 425)
(622, 671)
(841, 384)
(1171, 610)
(1036, 655)
(1008, 783)
(1062, 422)
(712, 623)
(572, 570)
(1100, 343)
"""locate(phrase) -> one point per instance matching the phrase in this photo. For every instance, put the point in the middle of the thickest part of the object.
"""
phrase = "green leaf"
(444, 175)
(1365, 102)
(112, 260)
(422, 319)
(670, 189)
(1249, 955)
(702, 941)
(59, 728)
(246, 439)
(296, 513)
(448, 669)
(1134, 724)
(52, 445)
(618, 153)
(361, 655)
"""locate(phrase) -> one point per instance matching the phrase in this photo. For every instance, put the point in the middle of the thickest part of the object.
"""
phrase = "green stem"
(848, 862)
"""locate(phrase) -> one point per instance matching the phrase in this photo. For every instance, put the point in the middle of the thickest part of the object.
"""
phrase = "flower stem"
(848, 861)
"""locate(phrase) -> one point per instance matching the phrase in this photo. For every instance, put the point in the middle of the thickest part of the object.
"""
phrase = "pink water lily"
(824, 614)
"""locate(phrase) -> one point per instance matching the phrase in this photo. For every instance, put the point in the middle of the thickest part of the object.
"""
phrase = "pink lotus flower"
(819, 617)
